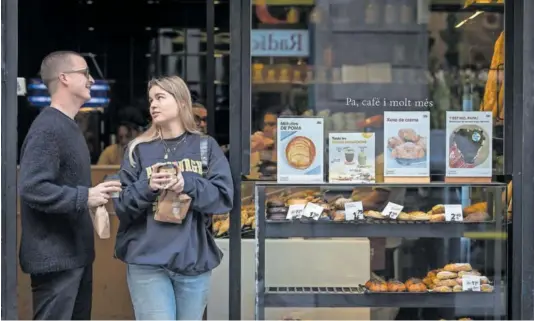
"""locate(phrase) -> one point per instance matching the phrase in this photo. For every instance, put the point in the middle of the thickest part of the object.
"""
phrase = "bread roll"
(473, 272)
(457, 267)
(297, 201)
(442, 289)
(486, 288)
(444, 275)
(437, 218)
(438, 209)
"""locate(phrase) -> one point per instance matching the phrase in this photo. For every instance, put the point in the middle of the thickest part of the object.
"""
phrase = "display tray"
(373, 228)
(316, 297)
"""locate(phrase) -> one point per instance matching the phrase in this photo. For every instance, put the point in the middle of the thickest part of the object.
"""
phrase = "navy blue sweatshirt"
(187, 248)
(54, 181)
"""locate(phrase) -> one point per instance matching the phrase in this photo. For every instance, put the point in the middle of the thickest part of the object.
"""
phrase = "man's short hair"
(54, 64)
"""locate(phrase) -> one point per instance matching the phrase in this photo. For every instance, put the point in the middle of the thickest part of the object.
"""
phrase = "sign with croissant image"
(407, 144)
(300, 150)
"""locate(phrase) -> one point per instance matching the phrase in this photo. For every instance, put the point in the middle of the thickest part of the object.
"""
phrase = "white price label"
(392, 210)
(295, 211)
(353, 211)
(454, 213)
(471, 283)
(313, 210)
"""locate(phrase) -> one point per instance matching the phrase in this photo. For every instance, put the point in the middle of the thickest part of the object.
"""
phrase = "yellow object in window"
(494, 92)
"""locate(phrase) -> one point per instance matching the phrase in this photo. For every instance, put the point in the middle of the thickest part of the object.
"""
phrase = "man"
(201, 117)
(57, 242)
(112, 155)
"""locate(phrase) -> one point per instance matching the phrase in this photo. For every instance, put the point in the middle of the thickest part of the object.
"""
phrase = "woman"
(169, 264)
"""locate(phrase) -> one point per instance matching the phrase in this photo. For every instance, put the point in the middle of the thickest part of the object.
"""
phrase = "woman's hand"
(159, 181)
(177, 183)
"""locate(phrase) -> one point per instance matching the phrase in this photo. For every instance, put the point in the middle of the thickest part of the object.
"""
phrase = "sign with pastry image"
(469, 144)
(300, 142)
(406, 144)
(351, 158)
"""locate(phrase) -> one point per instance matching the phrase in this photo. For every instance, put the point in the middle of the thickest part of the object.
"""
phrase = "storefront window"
(403, 95)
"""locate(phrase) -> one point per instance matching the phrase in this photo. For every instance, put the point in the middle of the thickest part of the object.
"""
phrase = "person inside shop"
(166, 205)
(201, 119)
(112, 155)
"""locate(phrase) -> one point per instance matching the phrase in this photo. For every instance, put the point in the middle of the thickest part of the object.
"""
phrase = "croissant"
(477, 207)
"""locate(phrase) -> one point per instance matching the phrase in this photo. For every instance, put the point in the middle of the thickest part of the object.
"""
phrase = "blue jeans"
(159, 294)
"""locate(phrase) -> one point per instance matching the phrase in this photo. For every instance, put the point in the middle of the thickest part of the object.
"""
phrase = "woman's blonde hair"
(175, 86)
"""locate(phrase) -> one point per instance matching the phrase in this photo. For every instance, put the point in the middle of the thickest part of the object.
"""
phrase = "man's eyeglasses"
(199, 119)
(84, 72)
(269, 123)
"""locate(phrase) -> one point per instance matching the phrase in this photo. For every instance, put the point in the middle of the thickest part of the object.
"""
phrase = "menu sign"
(300, 143)
(351, 157)
(406, 144)
(469, 137)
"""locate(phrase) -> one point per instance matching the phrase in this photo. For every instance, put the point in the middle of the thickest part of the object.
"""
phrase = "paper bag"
(172, 207)
(100, 218)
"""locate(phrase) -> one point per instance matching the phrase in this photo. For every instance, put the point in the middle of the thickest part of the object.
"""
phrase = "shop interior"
(379, 55)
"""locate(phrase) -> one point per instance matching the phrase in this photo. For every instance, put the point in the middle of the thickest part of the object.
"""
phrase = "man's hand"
(100, 194)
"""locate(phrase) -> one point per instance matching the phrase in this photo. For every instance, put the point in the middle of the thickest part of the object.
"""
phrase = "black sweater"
(55, 174)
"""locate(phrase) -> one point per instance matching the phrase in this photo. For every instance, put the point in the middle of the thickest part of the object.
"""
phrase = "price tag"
(295, 211)
(454, 213)
(471, 283)
(353, 211)
(392, 210)
(313, 210)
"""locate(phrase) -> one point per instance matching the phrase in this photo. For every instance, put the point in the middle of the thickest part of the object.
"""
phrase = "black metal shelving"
(325, 297)
(309, 297)
(284, 229)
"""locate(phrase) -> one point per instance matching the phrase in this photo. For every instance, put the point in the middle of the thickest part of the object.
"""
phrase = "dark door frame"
(8, 95)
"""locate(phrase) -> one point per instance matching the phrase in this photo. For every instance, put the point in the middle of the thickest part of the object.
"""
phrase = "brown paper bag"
(172, 207)
(100, 218)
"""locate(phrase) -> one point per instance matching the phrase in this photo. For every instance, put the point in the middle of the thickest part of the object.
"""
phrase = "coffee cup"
(110, 178)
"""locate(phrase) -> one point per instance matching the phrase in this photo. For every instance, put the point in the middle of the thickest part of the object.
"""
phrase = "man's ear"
(63, 79)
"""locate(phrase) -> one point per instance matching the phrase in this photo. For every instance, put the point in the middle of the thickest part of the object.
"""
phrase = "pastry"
(396, 286)
(432, 274)
(457, 288)
(275, 202)
(376, 286)
(437, 218)
(250, 220)
(477, 207)
(300, 152)
(486, 288)
(403, 216)
(448, 282)
(394, 142)
(438, 209)
(419, 216)
(416, 285)
(443, 275)
(473, 272)
(374, 214)
(457, 267)
(338, 216)
(442, 289)
(428, 281)
(477, 217)
(340, 203)
(297, 201)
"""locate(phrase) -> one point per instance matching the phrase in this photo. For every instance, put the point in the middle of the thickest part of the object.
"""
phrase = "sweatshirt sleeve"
(215, 193)
(39, 171)
(136, 196)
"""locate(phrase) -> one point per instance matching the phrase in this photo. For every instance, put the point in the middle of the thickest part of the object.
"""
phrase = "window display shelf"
(288, 228)
(313, 297)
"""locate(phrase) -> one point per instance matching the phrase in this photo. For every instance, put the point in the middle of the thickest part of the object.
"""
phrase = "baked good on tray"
(396, 286)
(374, 285)
(457, 267)
(374, 214)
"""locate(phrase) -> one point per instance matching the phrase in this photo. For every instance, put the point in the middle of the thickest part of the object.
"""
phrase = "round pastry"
(376, 286)
(408, 151)
(443, 275)
(438, 209)
(394, 142)
(473, 272)
(340, 203)
(442, 289)
(457, 267)
(300, 152)
(448, 282)
(374, 214)
(432, 274)
(417, 287)
(396, 286)
(419, 216)
(412, 281)
(297, 201)
(437, 218)
(457, 288)
(428, 281)
(277, 210)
